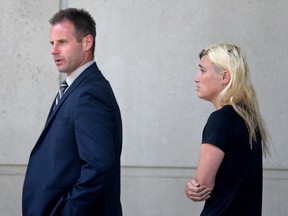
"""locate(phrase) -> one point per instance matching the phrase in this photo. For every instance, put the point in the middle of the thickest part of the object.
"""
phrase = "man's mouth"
(58, 61)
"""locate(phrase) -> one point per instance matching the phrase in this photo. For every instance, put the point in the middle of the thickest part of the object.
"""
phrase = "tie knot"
(61, 91)
(63, 86)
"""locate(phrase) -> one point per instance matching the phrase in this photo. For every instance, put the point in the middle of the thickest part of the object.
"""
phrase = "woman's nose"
(196, 79)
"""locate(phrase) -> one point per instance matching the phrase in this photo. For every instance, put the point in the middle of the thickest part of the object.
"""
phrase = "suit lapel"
(71, 88)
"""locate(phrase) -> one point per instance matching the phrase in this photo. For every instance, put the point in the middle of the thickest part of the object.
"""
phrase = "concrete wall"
(149, 52)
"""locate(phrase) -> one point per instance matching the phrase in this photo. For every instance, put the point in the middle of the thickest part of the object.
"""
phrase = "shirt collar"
(72, 77)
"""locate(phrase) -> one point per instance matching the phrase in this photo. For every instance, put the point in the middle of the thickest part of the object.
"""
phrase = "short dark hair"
(83, 22)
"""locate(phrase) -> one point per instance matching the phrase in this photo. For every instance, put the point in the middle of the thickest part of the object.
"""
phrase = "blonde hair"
(239, 92)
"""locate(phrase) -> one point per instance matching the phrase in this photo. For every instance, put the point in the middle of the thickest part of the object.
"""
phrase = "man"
(74, 168)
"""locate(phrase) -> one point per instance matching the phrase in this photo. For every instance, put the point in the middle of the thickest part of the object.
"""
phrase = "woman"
(229, 173)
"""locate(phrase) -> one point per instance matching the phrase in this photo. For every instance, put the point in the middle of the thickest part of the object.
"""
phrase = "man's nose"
(54, 50)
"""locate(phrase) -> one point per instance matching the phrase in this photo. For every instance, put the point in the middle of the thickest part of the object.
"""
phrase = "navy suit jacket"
(74, 168)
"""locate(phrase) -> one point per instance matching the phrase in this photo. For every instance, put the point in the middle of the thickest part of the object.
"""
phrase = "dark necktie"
(61, 91)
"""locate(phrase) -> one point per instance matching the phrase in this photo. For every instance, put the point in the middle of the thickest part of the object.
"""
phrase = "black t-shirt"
(238, 184)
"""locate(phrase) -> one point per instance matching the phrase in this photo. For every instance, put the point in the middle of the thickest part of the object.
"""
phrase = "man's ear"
(88, 42)
(225, 77)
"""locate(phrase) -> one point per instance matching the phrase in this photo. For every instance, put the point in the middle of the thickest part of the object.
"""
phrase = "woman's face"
(209, 83)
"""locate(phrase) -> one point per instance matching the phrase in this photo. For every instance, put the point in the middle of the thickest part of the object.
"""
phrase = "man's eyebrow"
(58, 40)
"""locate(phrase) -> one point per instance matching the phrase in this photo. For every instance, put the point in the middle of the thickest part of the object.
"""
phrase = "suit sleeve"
(93, 122)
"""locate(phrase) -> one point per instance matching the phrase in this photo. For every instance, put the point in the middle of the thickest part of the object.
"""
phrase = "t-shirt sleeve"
(217, 130)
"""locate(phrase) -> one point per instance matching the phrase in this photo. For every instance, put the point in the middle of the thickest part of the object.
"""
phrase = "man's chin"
(61, 70)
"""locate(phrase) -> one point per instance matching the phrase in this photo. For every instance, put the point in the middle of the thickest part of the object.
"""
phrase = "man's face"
(67, 51)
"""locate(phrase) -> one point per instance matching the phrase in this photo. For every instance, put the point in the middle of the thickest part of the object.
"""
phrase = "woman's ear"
(225, 77)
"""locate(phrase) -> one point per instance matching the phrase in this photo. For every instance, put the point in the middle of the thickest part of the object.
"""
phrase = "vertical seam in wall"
(63, 5)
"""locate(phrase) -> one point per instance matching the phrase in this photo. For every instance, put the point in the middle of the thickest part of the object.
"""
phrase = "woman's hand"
(197, 192)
